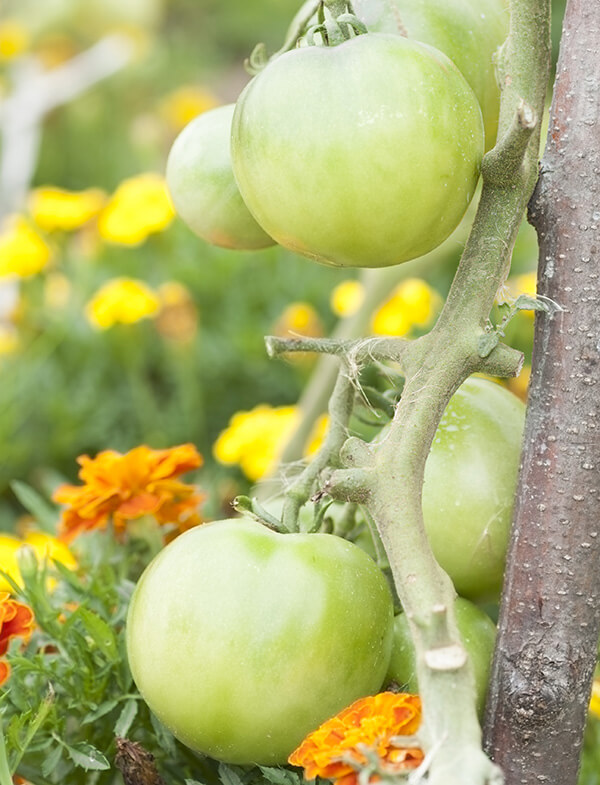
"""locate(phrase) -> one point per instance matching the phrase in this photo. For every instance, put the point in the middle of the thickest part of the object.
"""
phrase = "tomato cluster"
(366, 153)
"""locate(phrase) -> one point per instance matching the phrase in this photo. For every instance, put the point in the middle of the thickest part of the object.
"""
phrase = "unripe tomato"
(478, 634)
(363, 154)
(242, 640)
(468, 31)
(470, 483)
(203, 188)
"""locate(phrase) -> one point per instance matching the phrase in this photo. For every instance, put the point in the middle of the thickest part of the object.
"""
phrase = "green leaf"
(44, 513)
(279, 776)
(526, 303)
(87, 757)
(229, 776)
(126, 717)
(50, 761)
(100, 632)
(487, 343)
(103, 708)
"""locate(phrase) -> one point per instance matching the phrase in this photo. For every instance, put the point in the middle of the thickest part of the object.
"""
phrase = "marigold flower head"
(337, 749)
(347, 297)
(299, 318)
(128, 486)
(139, 207)
(121, 301)
(23, 252)
(56, 208)
(16, 621)
(412, 304)
(45, 546)
(254, 439)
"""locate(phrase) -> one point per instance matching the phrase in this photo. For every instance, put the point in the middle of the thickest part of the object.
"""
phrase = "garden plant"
(385, 566)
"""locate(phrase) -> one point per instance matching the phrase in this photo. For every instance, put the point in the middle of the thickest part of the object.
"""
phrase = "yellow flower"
(594, 706)
(347, 297)
(526, 283)
(254, 438)
(412, 304)
(186, 102)
(121, 301)
(14, 39)
(520, 384)
(23, 252)
(55, 208)
(44, 546)
(336, 750)
(139, 207)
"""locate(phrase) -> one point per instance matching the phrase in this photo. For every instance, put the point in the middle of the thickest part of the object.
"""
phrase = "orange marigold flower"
(125, 487)
(336, 750)
(16, 621)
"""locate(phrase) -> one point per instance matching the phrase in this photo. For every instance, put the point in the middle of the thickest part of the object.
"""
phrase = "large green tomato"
(203, 188)
(363, 154)
(468, 31)
(242, 640)
(470, 483)
(478, 634)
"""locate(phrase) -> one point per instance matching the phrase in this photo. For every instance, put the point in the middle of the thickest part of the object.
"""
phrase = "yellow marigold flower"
(139, 207)
(594, 706)
(347, 297)
(299, 318)
(336, 750)
(55, 208)
(186, 102)
(254, 439)
(14, 39)
(125, 487)
(23, 252)
(9, 339)
(16, 621)
(526, 283)
(44, 546)
(121, 301)
(178, 317)
(520, 384)
(412, 304)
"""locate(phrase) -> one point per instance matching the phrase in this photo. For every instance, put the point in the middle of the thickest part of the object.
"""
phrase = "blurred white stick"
(36, 92)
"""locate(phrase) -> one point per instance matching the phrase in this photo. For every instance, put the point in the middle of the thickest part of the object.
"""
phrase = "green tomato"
(242, 640)
(478, 634)
(468, 31)
(470, 483)
(203, 188)
(363, 154)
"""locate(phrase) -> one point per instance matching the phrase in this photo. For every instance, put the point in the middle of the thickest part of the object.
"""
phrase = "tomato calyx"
(336, 22)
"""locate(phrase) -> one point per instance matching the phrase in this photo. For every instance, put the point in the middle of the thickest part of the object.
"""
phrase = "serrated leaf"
(229, 776)
(126, 717)
(279, 776)
(103, 708)
(87, 757)
(44, 513)
(100, 633)
(487, 343)
(526, 303)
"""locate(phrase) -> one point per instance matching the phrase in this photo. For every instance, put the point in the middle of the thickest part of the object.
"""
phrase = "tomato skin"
(242, 640)
(363, 154)
(203, 188)
(478, 634)
(469, 32)
(470, 484)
